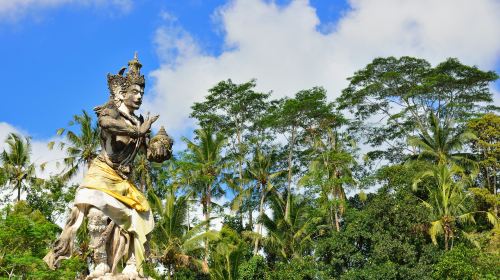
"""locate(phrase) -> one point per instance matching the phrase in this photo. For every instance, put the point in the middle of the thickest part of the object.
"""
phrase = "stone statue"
(119, 216)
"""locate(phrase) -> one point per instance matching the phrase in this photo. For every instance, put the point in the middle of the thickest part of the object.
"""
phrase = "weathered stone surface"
(119, 216)
(109, 276)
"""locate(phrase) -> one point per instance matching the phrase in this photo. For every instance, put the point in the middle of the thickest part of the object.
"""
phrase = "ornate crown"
(118, 83)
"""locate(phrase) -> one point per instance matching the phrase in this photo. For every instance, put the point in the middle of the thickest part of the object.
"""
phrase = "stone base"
(109, 276)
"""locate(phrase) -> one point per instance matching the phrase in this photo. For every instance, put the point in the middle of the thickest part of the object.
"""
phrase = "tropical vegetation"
(397, 178)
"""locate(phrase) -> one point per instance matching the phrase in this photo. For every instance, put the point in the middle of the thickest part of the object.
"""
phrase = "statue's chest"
(121, 143)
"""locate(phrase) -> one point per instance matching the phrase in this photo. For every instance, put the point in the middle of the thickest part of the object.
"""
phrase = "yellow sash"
(102, 177)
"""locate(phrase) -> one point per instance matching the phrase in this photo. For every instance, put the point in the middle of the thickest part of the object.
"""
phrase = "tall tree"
(330, 170)
(391, 97)
(486, 146)
(234, 110)
(81, 146)
(18, 169)
(207, 160)
(261, 171)
(293, 117)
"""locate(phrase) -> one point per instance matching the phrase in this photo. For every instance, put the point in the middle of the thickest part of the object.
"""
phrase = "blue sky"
(56, 54)
(55, 59)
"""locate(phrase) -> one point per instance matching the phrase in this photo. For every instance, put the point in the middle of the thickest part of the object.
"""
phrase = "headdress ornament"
(118, 83)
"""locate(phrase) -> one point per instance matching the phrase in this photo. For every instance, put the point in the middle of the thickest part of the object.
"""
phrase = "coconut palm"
(447, 200)
(207, 162)
(142, 172)
(174, 245)
(228, 254)
(292, 237)
(441, 143)
(260, 169)
(81, 146)
(17, 168)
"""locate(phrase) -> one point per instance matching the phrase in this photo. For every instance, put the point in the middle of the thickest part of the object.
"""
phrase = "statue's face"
(133, 97)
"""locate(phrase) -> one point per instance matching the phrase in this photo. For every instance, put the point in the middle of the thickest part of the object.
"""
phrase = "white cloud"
(13, 10)
(282, 48)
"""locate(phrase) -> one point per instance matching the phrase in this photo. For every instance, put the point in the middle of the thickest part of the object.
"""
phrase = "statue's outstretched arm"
(118, 127)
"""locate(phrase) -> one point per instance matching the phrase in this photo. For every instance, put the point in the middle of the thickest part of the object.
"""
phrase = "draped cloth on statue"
(104, 178)
(118, 199)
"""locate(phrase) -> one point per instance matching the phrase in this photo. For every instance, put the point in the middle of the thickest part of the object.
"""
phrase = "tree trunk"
(187, 213)
(446, 235)
(207, 220)
(289, 187)
(337, 224)
(250, 218)
(240, 176)
(332, 216)
(18, 192)
(259, 225)
(494, 175)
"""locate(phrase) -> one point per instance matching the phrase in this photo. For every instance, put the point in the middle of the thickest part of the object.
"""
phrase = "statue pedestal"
(109, 276)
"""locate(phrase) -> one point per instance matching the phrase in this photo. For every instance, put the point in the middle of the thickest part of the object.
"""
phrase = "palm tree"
(330, 170)
(260, 170)
(16, 164)
(174, 244)
(447, 200)
(207, 161)
(441, 142)
(81, 147)
(142, 172)
(229, 252)
(290, 237)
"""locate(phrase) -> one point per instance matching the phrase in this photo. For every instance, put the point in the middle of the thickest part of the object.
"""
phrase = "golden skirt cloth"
(102, 177)
(120, 200)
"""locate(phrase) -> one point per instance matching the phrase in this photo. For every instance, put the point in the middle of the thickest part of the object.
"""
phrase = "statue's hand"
(146, 126)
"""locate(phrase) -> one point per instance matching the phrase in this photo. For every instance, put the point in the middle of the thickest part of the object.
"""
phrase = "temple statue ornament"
(119, 216)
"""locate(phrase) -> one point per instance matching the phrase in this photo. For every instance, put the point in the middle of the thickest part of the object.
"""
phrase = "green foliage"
(229, 251)
(290, 238)
(81, 146)
(486, 145)
(403, 91)
(51, 197)
(175, 246)
(297, 269)
(465, 263)
(25, 236)
(253, 269)
(440, 143)
(18, 170)
(447, 201)
(387, 233)
(387, 270)
(330, 170)
(427, 119)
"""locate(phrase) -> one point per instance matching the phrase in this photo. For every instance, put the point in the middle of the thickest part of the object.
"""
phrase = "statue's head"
(128, 89)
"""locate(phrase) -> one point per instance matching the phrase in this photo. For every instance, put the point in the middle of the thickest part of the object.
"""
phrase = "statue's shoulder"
(108, 109)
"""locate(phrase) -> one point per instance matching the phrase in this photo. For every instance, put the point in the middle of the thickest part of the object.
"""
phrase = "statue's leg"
(131, 267)
(63, 247)
(97, 223)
